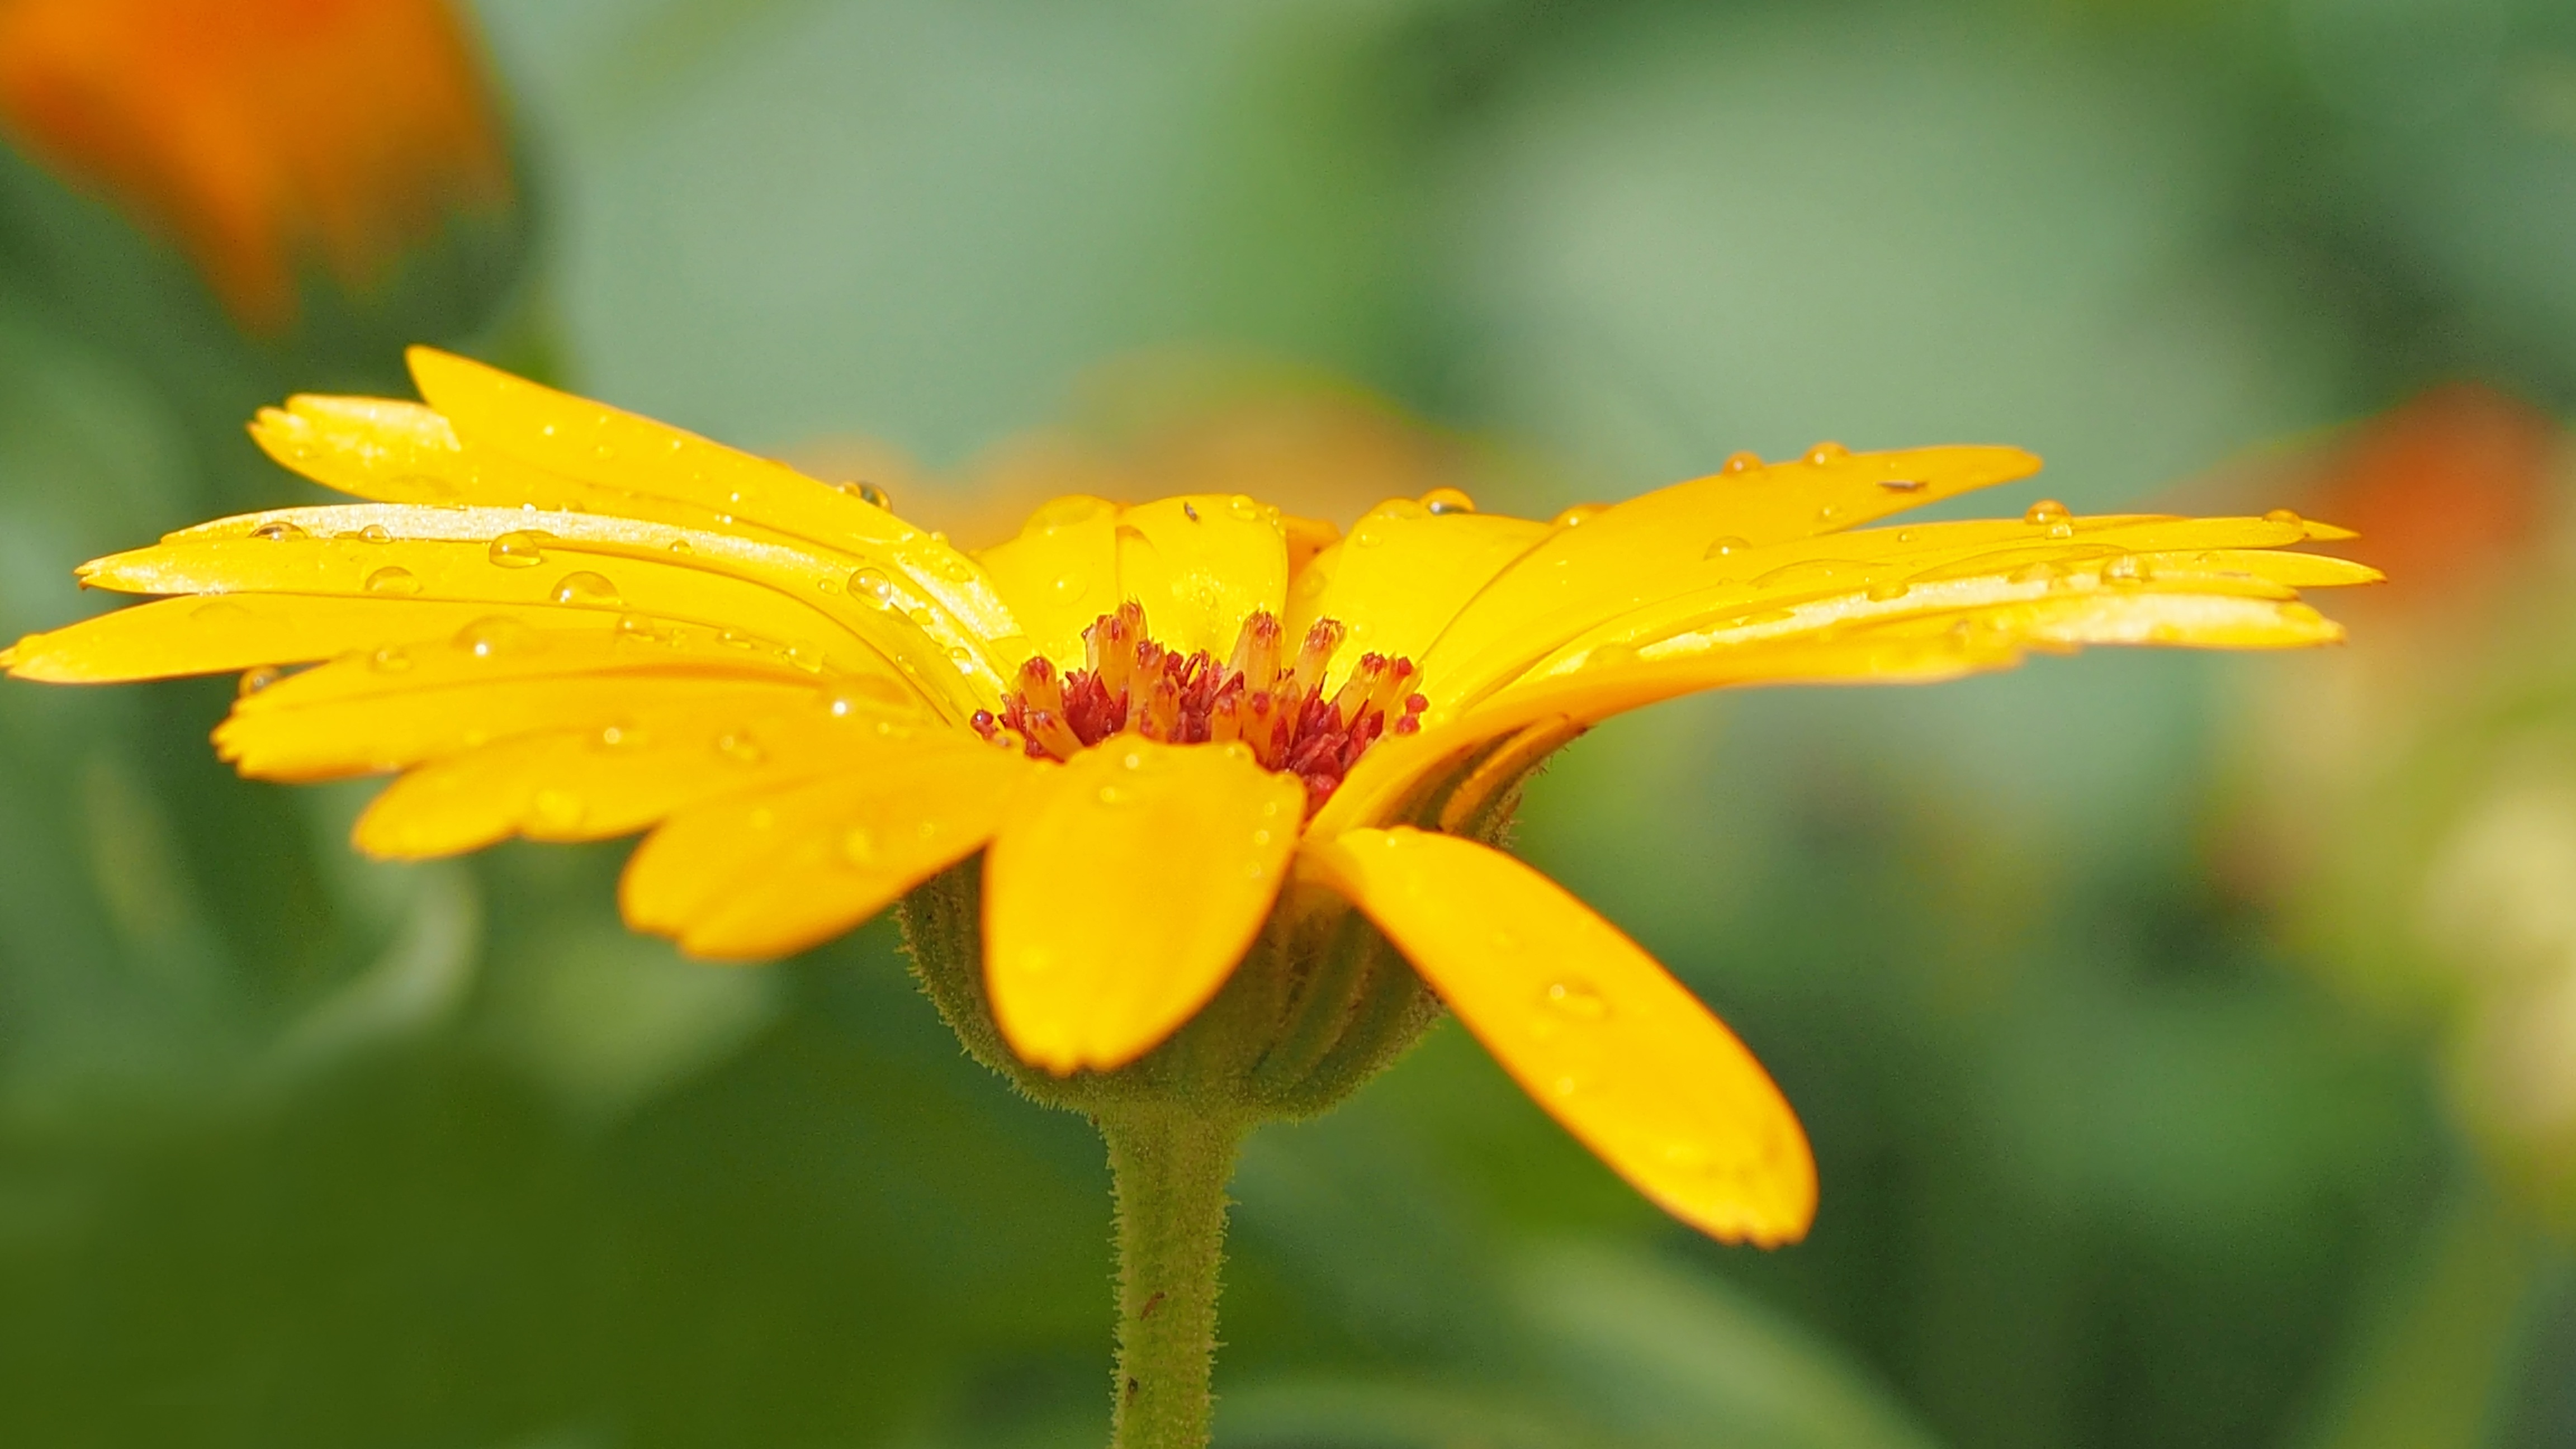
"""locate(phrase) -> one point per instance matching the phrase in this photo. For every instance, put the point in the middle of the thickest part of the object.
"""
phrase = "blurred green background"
(2147, 1026)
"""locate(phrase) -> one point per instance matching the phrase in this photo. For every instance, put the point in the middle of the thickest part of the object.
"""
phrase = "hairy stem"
(1169, 1166)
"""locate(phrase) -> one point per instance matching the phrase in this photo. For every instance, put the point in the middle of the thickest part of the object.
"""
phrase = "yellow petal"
(1059, 574)
(1909, 650)
(1403, 574)
(1121, 891)
(1200, 565)
(593, 443)
(1802, 585)
(1626, 555)
(496, 679)
(1596, 1032)
(772, 872)
(224, 633)
(788, 597)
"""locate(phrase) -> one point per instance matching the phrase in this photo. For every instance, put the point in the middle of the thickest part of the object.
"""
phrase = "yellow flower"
(1159, 722)
(254, 130)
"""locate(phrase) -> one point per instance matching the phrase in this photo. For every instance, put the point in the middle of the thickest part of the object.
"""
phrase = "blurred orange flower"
(255, 132)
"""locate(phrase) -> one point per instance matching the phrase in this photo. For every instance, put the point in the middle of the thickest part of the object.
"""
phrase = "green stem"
(1169, 1166)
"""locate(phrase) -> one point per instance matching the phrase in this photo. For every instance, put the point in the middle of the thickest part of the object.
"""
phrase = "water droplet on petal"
(1726, 547)
(682, 547)
(921, 618)
(1903, 485)
(587, 590)
(522, 548)
(394, 580)
(2285, 515)
(1576, 999)
(390, 660)
(621, 737)
(806, 657)
(1448, 500)
(1743, 463)
(872, 584)
(1580, 514)
(279, 531)
(1243, 508)
(2046, 511)
(1610, 655)
(1827, 454)
(1888, 590)
(255, 680)
(374, 533)
(2128, 568)
(500, 634)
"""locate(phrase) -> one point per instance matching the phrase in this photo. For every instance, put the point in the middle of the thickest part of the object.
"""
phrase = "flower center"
(1273, 704)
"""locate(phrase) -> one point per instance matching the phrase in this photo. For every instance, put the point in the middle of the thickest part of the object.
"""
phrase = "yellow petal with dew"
(1122, 889)
(1812, 596)
(498, 677)
(1869, 572)
(221, 634)
(575, 563)
(1059, 574)
(1200, 565)
(771, 872)
(374, 733)
(592, 781)
(1918, 648)
(1591, 1027)
(1403, 574)
(1625, 555)
(593, 443)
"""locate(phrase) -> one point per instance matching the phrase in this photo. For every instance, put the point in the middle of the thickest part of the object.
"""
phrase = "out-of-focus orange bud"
(2449, 492)
(257, 132)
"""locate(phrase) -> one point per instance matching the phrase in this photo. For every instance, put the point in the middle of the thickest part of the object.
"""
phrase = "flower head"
(1162, 724)
(252, 130)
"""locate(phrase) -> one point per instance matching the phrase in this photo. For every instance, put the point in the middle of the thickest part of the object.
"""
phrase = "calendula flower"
(257, 131)
(1215, 758)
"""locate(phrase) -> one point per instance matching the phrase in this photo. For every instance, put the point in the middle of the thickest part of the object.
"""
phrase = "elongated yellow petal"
(566, 784)
(1911, 649)
(1120, 892)
(1936, 577)
(1628, 554)
(496, 678)
(1734, 574)
(1596, 1032)
(1403, 574)
(1059, 574)
(593, 443)
(772, 872)
(1200, 565)
(790, 598)
(225, 633)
